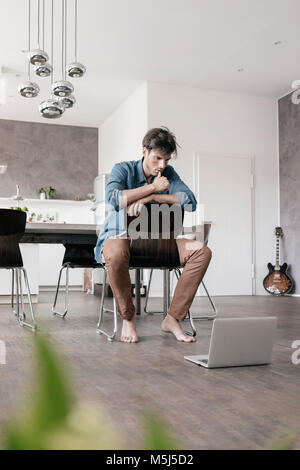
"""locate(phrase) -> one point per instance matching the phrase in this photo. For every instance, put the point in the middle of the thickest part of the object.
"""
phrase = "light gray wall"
(289, 157)
(65, 157)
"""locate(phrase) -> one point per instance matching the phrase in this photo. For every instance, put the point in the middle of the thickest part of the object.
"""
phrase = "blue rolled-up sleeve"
(185, 196)
(115, 185)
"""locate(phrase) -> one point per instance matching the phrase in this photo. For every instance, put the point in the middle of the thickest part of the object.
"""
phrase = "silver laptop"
(239, 342)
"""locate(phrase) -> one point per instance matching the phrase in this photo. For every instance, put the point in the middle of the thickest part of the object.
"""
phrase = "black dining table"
(60, 233)
(71, 235)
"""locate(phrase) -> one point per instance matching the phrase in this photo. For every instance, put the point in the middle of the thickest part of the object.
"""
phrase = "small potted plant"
(42, 193)
(47, 192)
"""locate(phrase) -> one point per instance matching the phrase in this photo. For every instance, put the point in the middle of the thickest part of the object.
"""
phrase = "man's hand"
(135, 208)
(161, 183)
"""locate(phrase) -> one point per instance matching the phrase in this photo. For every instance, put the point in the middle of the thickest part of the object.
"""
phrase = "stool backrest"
(156, 247)
(158, 221)
(12, 227)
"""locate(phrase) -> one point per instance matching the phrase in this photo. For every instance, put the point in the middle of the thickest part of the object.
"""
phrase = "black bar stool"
(177, 270)
(155, 248)
(12, 228)
(76, 256)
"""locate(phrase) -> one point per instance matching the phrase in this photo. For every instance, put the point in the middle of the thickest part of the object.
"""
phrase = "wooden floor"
(237, 408)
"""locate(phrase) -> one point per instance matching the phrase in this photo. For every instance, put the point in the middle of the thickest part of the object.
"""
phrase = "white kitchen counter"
(44, 261)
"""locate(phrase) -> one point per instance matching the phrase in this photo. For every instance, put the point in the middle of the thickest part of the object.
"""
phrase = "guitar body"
(277, 282)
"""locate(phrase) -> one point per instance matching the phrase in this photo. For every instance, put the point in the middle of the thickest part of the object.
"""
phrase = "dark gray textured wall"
(65, 157)
(289, 157)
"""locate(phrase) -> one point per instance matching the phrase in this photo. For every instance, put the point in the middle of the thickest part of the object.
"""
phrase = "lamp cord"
(43, 25)
(76, 7)
(65, 39)
(62, 37)
(29, 32)
(52, 42)
(38, 39)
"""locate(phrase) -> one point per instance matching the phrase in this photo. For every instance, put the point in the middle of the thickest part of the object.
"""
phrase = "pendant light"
(61, 97)
(76, 69)
(67, 101)
(62, 87)
(38, 56)
(29, 89)
(52, 108)
(43, 69)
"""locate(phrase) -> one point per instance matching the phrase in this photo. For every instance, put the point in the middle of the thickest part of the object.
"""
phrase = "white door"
(224, 186)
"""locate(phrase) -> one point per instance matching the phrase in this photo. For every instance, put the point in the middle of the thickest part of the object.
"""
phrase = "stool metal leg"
(166, 291)
(150, 312)
(167, 298)
(147, 294)
(62, 315)
(102, 299)
(210, 299)
(110, 337)
(17, 312)
(137, 291)
(194, 331)
(12, 287)
(202, 317)
(33, 326)
(190, 316)
(21, 315)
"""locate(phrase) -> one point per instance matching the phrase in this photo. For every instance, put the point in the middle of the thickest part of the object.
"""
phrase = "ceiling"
(198, 43)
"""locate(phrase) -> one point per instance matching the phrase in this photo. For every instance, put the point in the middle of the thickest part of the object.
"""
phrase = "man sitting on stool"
(131, 185)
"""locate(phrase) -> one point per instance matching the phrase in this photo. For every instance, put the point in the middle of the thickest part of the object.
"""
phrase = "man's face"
(154, 161)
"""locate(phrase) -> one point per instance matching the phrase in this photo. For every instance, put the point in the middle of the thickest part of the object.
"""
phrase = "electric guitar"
(277, 282)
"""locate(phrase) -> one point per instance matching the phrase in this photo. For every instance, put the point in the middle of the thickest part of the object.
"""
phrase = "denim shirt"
(130, 175)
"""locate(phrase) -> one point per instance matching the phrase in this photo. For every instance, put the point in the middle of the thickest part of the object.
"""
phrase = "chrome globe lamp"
(51, 109)
(62, 88)
(67, 101)
(38, 57)
(43, 70)
(75, 70)
(29, 89)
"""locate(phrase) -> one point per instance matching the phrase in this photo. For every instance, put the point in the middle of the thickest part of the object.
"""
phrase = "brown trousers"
(194, 257)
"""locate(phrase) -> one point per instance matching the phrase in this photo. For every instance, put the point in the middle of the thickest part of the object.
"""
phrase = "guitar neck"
(277, 265)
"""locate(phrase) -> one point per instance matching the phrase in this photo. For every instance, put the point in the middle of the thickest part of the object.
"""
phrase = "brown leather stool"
(154, 247)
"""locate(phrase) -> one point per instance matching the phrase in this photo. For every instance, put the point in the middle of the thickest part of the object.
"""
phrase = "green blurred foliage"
(157, 435)
(54, 420)
(16, 208)
(51, 404)
(283, 442)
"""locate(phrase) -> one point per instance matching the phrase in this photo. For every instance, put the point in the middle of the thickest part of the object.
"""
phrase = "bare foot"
(171, 325)
(129, 333)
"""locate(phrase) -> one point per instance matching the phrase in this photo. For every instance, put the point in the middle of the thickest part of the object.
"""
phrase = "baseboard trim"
(62, 288)
(6, 299)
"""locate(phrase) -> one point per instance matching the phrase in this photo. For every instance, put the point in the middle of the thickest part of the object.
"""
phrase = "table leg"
(137, 291)
(166, 291)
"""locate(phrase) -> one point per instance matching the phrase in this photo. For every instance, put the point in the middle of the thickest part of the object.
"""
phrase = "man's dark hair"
(162, 139)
